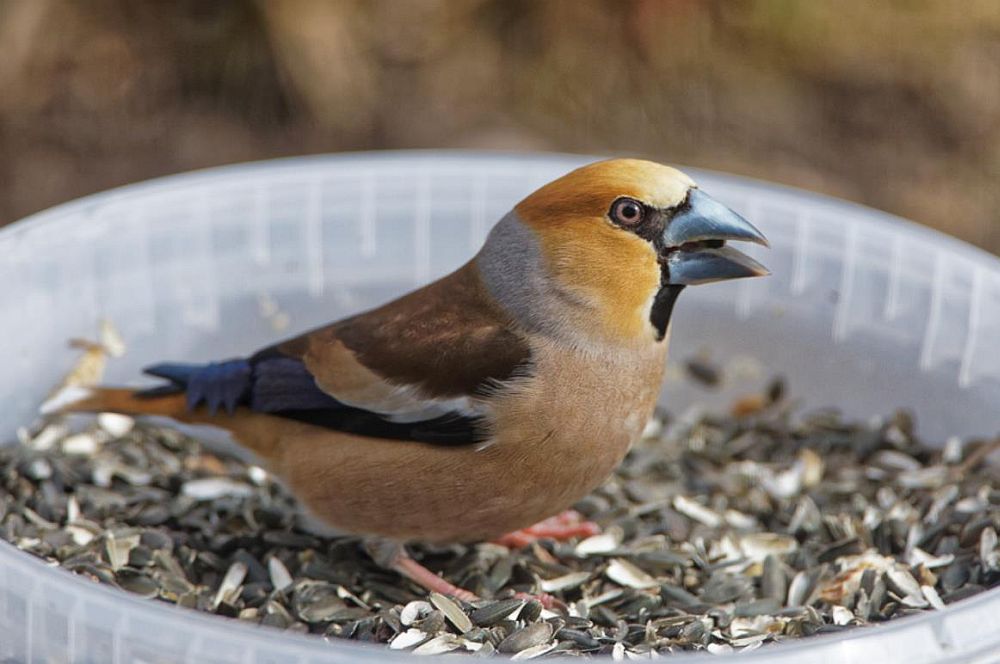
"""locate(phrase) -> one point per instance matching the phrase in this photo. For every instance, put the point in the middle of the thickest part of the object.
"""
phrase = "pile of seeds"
(720, 532)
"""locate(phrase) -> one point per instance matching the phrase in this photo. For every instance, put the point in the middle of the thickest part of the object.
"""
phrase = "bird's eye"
(627, 212)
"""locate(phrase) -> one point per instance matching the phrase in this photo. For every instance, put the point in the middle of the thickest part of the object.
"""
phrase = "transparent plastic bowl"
(864, 311)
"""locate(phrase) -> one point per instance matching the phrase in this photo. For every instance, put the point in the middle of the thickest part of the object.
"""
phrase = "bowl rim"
(194, 622)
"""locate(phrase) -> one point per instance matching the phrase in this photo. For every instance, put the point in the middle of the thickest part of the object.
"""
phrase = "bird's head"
(607, 248)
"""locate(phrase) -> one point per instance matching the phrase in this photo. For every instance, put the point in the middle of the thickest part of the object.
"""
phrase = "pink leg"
(547, 600)
(422, 576)
(561, 527)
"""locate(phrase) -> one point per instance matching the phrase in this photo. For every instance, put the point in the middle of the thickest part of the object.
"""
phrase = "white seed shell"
(408, 639)
(414, 611)
(115, 424)
(212, 488)
(625, 573)
(932, 597)
(609, 540)
(230, 582)
(438, 645)
(281, 578)
(452, 611)
(532, 652)
(842, 615)
(695, 510)
(565, 582)
(84, 444)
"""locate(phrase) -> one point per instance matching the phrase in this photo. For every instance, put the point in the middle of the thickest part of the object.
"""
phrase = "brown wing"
(444, 342)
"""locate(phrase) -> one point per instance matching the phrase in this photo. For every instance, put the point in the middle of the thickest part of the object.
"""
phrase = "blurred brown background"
(892, 103)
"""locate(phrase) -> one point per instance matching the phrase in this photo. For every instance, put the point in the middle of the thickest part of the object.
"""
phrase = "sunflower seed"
(230, 583)
(495, 612)
(414, 611)
(47, 437)
(526, 637)
(325, 608)
(799, 589)
(696, 511)
(532, 652)
(139, 584)
(118, 549)
(602, 543)
(988, 549)
(408, 639)
(114, 424)
(932, 597)
(81, 536)
(903, 584)
(758, 546)
(280, 577)
(455, 615)
(257, 475)
(440, 644)
(213, 488)
(842, 615)
(565, 582)
(583, 640)
(84, 444)
(625, 573)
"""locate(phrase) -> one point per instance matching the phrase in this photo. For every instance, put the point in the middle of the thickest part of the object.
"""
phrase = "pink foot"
(561, 527)
(422, 576)
(547, 600)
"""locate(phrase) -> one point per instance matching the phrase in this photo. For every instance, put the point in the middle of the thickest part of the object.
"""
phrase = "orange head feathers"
(610, 246)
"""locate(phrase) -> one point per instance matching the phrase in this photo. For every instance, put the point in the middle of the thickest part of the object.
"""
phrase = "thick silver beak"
(694, 240)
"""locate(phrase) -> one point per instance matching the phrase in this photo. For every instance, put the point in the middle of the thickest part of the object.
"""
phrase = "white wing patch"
(406, 404)
(339, 373)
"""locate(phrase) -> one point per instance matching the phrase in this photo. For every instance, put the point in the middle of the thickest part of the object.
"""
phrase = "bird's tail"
(256, 431)
(75, 399)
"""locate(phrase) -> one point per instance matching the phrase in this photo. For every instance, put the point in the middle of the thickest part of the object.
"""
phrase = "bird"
(489, 400)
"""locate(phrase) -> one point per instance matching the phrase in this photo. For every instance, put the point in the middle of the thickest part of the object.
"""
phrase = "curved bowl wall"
(864, 311)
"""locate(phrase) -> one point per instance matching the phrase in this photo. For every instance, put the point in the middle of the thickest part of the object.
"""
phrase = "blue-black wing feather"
(274, 383)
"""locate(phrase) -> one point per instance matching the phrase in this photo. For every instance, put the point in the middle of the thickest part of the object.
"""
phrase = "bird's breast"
(564, 430)
(558, 432)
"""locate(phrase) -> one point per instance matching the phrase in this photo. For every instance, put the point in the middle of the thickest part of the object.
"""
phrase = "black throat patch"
(663, 307)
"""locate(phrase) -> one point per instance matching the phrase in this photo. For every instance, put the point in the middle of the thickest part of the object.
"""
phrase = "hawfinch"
(490, 399)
